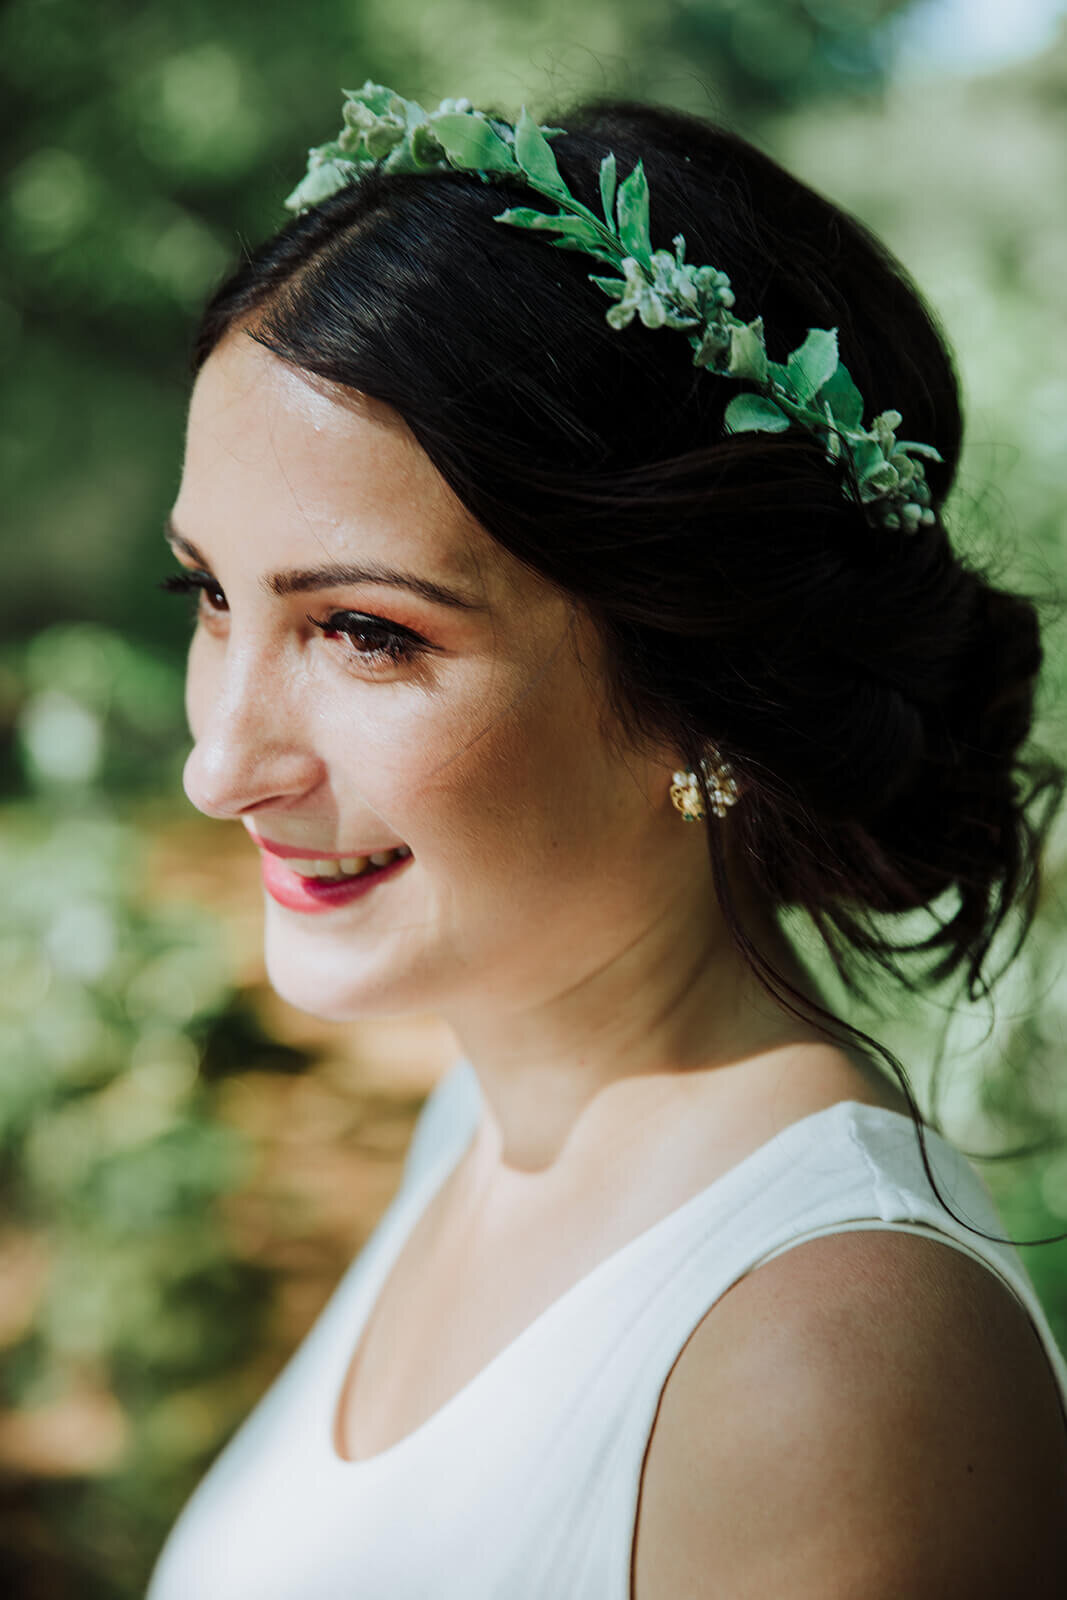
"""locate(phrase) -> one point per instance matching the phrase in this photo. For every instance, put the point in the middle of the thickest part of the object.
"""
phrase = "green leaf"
(813, 363)
(570, 241)
(333, 151)
(551, 222)
(577, 233)
(754, 412)
(384, 137)
(711, 346)
(748, 356)
(375, 96)
(424, 152)
(536, 159)
(616, 287)
(632, 209)
(471, 144)
(880, 475)
(843, 398)
(319, 183)
(528, 217)
(866, 455)
(914, 449)
(607, 187)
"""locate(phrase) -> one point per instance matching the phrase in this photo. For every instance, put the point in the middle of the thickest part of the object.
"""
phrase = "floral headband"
(810, 388)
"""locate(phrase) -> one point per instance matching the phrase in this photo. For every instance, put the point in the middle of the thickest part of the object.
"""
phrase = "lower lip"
(295, 893)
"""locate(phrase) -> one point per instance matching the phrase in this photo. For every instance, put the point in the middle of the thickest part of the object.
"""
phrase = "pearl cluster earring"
(723, 790)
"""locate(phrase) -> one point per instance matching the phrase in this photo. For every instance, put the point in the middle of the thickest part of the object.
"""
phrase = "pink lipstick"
(343, 879)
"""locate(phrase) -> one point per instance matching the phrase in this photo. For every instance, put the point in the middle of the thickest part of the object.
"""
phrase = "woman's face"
(370, 671)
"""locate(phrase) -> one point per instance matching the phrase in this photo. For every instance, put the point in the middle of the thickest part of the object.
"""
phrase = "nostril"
(227, 777)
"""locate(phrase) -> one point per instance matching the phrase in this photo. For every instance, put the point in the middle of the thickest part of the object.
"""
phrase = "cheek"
(428, 750)
(430, 772)
(507, 793)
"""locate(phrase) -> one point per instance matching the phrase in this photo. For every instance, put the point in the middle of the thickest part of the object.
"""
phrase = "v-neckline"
(419, 1200)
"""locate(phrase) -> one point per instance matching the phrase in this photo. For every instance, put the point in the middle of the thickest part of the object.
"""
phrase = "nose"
(249, 748)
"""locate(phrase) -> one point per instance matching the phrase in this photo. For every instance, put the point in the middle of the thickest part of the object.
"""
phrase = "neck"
(673, 1001)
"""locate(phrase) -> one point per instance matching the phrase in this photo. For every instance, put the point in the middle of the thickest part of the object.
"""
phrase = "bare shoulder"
(869, 1415)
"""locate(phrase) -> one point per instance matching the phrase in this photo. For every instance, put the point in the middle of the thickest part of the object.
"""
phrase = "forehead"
(302, 471)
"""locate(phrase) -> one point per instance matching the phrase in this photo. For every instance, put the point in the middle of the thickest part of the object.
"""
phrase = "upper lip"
(293, 852)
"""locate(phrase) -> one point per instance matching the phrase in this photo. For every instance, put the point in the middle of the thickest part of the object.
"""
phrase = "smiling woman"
(428, 678)
(495, 593)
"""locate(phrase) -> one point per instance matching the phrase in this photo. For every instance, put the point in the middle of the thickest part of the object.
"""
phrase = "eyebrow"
(304, 581)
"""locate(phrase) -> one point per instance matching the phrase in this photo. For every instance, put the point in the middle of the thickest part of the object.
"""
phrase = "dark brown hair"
(872, 689)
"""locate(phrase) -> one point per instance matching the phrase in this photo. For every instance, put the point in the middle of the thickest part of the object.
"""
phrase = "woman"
(496, 599)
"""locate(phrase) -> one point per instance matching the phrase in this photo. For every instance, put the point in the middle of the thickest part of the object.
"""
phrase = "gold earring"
(723, 790)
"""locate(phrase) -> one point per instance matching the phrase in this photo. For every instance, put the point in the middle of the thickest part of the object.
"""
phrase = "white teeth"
(347, 866)
(314, 869)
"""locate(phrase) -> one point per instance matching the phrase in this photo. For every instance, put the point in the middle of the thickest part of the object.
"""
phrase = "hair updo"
(871, 690)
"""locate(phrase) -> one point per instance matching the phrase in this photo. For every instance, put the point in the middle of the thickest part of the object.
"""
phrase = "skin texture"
(560, 916)
(490, 756)
(886, 1425)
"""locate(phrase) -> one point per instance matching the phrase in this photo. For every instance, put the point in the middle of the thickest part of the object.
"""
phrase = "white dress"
(524, 1484)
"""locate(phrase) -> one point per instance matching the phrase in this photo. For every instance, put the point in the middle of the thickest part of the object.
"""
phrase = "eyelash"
(398, 644)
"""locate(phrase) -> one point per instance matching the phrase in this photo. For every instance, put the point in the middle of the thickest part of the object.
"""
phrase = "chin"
(328, 978)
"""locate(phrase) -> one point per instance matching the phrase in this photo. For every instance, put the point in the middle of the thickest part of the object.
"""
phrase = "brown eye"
(202, 584)
(372, 639)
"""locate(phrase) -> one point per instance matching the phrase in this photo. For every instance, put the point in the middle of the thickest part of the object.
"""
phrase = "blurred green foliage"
(111, 1156)
(144, 146)
(965, 181)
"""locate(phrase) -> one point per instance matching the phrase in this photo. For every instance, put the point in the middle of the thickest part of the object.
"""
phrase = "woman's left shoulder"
(870, 1413)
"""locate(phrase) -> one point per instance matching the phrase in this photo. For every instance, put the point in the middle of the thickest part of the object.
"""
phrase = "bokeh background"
(186, 1165)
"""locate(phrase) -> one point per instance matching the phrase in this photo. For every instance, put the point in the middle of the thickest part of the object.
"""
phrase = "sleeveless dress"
(524, 1485)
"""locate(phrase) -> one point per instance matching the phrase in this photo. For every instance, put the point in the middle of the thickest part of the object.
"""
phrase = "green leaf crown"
(810, 388)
